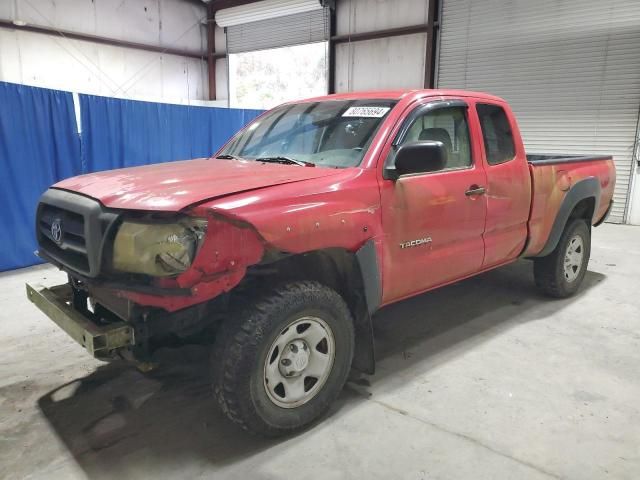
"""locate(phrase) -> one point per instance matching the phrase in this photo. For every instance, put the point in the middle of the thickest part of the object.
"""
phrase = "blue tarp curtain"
(40, 145)
(122, 133)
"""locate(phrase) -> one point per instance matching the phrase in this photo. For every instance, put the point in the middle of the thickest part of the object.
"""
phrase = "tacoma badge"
(415, 243)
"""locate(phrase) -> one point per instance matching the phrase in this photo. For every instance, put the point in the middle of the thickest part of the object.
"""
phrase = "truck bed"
(553, 177)
(554, 158)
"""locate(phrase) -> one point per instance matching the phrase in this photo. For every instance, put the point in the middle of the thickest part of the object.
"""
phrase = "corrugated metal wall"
(295, 29)
(569, 68)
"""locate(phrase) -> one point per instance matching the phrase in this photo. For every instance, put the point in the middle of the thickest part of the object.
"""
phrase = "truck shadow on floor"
(118, 420)
(475, 309)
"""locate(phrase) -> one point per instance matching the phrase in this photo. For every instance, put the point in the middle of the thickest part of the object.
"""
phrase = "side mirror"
(417, 157)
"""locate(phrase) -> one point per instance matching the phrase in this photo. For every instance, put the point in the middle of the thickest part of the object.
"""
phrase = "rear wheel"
(560, 273)
(284, 359)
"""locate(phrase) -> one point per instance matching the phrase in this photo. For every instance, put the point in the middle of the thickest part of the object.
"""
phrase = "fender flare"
(364, 358)
(587, 188)
(371, 278)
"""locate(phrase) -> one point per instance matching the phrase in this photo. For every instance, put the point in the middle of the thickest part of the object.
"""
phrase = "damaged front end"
(100, 338)
(138, 280)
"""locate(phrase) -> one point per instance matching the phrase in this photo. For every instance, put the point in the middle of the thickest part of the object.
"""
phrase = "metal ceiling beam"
(391, 32)
(8, 24)
(332, 51)
(220, 4)
(433, 25)
(211, 50)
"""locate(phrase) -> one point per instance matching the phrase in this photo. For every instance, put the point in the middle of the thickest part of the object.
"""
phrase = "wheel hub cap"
(573, 258)
(294, 359)
(299, 362)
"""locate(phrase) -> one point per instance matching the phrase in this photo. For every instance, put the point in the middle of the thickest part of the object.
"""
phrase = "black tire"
(549, 271)
(245, 340)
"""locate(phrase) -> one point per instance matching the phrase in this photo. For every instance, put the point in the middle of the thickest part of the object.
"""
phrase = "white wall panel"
(182, 77)
(182, 25)
(10, 64)
(221, 39)
(63, 14)
(7, 9)
(222, 80)
(58, 63)
(569, 68)
(222, 70)
(87, 67)
(355, 16)
(387, 63)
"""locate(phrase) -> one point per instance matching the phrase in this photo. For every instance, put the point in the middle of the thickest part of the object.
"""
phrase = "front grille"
(72, 245)
(78, 237)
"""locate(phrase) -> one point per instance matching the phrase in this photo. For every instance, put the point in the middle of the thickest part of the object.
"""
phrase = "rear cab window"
(496, 133)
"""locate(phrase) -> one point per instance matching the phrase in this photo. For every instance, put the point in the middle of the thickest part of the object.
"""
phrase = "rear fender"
(584, 189)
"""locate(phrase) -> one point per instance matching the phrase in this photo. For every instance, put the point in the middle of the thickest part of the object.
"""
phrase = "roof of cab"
(401, 94)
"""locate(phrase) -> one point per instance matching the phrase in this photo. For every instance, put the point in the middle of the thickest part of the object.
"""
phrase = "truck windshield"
(334, 133)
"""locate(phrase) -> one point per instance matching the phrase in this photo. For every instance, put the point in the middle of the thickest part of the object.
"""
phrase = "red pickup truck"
(279, 248)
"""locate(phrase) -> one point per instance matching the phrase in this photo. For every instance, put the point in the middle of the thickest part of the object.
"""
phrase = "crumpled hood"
(175, 185)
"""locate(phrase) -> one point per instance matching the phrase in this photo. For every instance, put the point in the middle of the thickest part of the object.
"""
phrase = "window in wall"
(266, 78)
(446, 125)
(497, 134)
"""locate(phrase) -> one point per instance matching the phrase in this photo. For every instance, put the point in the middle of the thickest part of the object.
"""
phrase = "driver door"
(434, 222)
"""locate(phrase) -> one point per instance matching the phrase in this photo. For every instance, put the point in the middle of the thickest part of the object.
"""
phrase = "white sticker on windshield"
(366, 112)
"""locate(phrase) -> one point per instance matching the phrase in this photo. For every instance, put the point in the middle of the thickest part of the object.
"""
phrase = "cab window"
(446, 125)
(496, 133)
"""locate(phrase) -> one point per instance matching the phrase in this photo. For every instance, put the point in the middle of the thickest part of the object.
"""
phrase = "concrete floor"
(482, 379)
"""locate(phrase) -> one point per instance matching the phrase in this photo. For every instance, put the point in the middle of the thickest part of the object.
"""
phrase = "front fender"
(341, 211)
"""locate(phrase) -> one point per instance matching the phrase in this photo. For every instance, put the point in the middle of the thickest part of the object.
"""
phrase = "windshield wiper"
(286, 161)
(226, 156)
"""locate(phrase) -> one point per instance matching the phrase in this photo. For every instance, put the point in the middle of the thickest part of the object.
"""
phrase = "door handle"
(475, 190)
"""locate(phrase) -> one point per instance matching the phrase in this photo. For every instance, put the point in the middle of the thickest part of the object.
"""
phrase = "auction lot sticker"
(366, 112)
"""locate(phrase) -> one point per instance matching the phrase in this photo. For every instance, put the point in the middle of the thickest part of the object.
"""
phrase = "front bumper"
(101, 341)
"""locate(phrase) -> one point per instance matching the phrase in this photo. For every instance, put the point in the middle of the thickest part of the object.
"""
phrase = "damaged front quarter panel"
(229, 247)
(342, 211)
(243, 229)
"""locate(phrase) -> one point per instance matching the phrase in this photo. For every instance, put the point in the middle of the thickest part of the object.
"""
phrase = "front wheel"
(560, 273)
(280, 364)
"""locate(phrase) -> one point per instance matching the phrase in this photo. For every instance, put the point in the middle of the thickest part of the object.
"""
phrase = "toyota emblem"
(56, 231)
